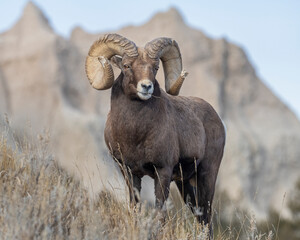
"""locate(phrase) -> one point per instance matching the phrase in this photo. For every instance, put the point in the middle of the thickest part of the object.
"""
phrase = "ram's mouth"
(144, 95)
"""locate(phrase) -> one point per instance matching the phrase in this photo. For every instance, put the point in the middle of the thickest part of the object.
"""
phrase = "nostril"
(146, 86)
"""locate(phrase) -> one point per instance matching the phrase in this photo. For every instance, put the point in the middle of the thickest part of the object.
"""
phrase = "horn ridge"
(98, 67)
(167, 50)
(112, 39)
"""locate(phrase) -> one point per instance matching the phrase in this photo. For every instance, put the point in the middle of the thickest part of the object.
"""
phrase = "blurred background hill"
(43, 89)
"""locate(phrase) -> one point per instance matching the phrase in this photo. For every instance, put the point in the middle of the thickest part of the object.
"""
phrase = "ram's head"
(139, 66)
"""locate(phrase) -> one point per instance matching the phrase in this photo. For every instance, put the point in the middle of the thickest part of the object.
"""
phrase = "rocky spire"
(172, 15)
(32, 19)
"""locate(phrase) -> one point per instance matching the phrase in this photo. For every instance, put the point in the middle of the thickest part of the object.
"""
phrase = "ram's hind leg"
(198, 191)
(206, 178)
(207, 172)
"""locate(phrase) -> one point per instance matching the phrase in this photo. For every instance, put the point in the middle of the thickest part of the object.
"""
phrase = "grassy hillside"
(40, 200)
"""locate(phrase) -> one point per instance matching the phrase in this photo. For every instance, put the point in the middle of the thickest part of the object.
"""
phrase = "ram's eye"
(156, 68)
(126, 66)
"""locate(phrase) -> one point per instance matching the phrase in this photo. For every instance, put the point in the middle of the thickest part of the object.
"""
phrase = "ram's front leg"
(162, 182)
(135, 189)
(134, 185)
(133, 182)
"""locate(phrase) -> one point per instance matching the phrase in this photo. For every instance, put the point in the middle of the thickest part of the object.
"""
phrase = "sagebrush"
(40, 200)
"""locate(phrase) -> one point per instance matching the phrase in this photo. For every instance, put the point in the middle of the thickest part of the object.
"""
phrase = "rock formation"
(42, 82)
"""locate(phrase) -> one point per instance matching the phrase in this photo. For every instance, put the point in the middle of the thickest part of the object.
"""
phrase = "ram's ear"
(116, 61)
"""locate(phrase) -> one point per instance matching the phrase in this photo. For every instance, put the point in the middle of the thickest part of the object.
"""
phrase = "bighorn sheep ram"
(153, 132)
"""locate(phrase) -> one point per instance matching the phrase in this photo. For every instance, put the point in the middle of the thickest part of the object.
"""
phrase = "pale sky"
(269, 30)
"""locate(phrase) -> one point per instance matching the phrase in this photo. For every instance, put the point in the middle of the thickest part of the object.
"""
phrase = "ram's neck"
(131, 114)
(123, 105)
(117, 90)
(119, 100)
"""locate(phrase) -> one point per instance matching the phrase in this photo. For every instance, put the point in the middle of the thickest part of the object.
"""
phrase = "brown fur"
(161, 136)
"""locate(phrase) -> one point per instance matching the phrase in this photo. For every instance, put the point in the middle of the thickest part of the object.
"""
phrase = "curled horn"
(168, 52)
(97, 66)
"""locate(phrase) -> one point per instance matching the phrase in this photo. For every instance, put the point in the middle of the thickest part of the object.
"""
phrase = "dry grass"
(39, 200)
